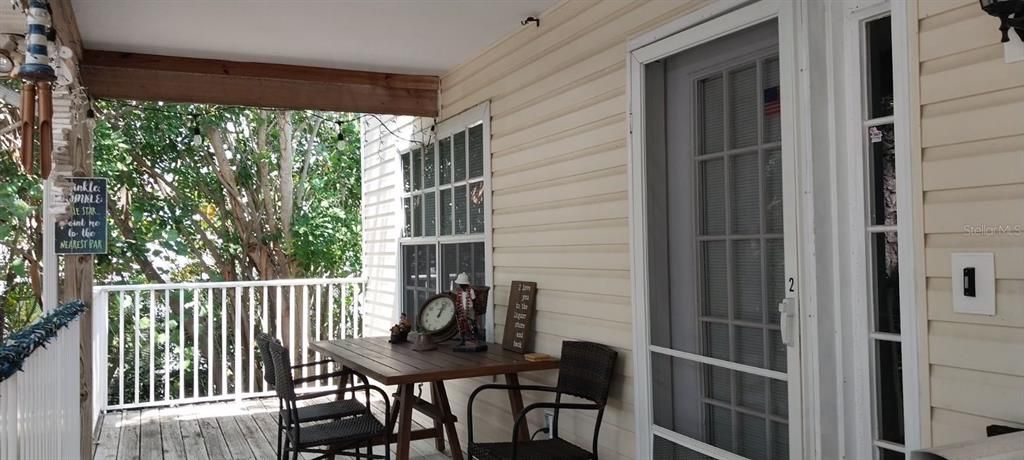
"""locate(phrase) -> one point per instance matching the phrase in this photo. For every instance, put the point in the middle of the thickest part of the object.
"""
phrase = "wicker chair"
(585, 372)
(327, 437)
(339, 408)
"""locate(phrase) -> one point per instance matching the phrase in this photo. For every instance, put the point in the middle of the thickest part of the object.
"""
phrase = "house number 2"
(792, 284)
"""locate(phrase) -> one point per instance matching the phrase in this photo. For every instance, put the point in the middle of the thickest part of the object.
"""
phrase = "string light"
(341, 135)
(197, 136)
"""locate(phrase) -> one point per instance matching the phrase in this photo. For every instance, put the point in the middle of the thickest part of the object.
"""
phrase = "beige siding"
(972, 166)
(559, 132)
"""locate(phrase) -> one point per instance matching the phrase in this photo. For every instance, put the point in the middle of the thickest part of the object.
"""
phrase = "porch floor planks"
(217, 431)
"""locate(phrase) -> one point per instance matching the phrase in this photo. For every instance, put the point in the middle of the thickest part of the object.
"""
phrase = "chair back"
(263, 341)
(283, 384)
(586, 370)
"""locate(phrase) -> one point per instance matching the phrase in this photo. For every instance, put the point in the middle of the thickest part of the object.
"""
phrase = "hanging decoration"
(21, 344)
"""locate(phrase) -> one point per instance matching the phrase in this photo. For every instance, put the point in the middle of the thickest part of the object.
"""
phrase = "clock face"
(437, 315)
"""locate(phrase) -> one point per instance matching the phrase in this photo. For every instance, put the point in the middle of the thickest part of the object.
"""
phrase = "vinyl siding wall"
(972, 166)
(560, 215)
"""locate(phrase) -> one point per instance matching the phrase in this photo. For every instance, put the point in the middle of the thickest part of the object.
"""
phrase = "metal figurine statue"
(470, 339)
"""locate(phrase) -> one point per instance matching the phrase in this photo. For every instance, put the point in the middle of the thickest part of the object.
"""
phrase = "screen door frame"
(709, 23)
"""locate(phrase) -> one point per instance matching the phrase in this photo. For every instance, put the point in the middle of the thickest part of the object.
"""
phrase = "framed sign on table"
(522, 303)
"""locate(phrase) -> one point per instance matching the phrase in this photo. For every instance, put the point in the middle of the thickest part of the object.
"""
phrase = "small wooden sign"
(85, 232)
(522, 303)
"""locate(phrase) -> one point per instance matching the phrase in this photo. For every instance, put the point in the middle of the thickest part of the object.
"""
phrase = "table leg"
(405, 395)
(438, 425)
(515, 399)
(449, 419)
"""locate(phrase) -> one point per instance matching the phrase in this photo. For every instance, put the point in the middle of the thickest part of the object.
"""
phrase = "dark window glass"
(428, 166)
(476, 207)
(889, 389)
(407, 230)
(417, 170)
(429, 214)
(887, 282)
(406, 176)
(446, 211)
(417, 215)
(444, 158)
(459, 156)
(886, 454)
(476, 151)
(419, 277)
(460, 210)
(712, 115)
(879, 56)
(883, 174)
(463, 257)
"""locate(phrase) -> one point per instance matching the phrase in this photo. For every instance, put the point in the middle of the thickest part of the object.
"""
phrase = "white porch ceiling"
(428, 37)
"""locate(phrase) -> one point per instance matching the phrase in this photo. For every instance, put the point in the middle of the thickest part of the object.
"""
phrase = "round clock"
(437, 317)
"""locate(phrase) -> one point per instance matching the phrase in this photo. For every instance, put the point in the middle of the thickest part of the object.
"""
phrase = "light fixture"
(6, 63)
(1004, 9)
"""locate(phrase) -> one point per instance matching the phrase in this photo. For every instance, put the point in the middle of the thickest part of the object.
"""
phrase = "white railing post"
(100, 351)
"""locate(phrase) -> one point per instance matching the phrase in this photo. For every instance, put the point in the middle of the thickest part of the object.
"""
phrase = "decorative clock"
(436, 317)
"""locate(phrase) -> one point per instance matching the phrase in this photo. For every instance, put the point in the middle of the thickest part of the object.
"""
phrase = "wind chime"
(38, 77)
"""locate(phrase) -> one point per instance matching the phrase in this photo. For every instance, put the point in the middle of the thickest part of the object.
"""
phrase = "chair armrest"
(313, 378)
(545, 405)
(315, 394)
(497, 386)
(314, 363)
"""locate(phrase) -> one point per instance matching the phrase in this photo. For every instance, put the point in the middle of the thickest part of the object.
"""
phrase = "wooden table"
(400, 365)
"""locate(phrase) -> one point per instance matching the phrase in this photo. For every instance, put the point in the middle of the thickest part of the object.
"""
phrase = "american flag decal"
(772, 104)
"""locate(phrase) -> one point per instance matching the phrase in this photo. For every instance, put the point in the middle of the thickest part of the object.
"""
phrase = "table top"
(396, 364)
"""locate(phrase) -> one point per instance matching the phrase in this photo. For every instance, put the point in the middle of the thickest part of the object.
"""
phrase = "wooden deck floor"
(217, 431)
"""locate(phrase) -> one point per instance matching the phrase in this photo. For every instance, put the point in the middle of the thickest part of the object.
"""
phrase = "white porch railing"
(166, 344)
(39, 406)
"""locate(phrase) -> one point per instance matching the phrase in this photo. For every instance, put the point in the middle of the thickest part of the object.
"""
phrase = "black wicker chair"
(585, 372)
(339, 408)
(327, 437)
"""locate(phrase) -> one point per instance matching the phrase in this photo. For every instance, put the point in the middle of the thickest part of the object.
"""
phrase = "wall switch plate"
(1013, 50)
(974, 283)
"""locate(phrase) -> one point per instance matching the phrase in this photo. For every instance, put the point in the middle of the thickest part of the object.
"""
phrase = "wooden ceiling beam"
(148, 77)
(66, 25)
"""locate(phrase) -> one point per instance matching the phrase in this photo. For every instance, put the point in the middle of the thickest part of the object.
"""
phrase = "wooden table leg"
(515, 399)
(449, 419)
(405, 395)
(438, 426)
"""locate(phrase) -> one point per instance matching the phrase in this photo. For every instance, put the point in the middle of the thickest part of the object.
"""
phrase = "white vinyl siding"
(972, 175)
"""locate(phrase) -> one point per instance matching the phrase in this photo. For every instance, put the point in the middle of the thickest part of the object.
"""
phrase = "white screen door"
(722, 357)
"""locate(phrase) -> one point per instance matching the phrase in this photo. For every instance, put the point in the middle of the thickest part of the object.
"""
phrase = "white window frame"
(861, 285)
(480, 114)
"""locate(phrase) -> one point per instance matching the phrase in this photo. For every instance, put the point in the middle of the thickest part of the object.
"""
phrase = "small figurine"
(400, 331)
(466, 315)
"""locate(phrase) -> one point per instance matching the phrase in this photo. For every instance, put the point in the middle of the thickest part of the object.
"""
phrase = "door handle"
(787, 314)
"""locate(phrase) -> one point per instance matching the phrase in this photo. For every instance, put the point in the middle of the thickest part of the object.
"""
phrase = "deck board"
(216, 431)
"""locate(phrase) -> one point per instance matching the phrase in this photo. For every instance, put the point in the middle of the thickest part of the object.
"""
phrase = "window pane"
(887, 282)
(712, 193)
(446, 211)
(460, 210)
(422, 265)
(407, 205)
(775, 276)
(417, 215)
(716, 298)
(886, 454)
(712, 116)
(773, 207)
(667, 450)
(417, 170)
(476, 207)
(444, 158)
(772, 101)
(459, 156)
(463, 257)
(429, 214)
(749, 345)
(406, 174)
(883, 174)
(748, 300)
(476, 151)
(743, 104)
(879, 56)
(745, 206)
(889, 391)
(428, 166)
(419, 268)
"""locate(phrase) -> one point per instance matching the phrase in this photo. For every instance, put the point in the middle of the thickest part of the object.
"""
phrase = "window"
(880, 224)
(446, 202)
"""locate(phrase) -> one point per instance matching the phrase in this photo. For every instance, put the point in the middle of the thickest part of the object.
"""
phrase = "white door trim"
(714, 21)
